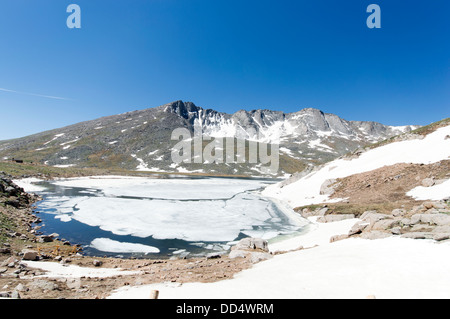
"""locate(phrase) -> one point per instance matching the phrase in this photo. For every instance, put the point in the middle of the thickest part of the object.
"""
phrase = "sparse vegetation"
(5, 223)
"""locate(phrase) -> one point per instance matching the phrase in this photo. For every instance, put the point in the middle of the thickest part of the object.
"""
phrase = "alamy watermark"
(201, 149)
(74, 19)
(373, 20)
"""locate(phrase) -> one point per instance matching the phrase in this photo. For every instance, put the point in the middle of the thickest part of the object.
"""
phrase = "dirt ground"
(386, 187)
(151, 271)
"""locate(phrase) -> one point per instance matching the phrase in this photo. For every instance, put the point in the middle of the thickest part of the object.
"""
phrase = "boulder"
(238, 254)
(44, 239)
(13, 202)
(441, 236)
(29, 254)
(442, 229)
(317, 212)
(373, 218)
(428, 182)
(334, 218)
(73, 283)
(11, 191)
(385, 224)
(5, 250)
(358, 228)
(328, 187)
(97, 263)
(432, 219)
(398, 212)
(428, 205)
(252, 244)
(256, 249)
(44, 284)
(256, 257)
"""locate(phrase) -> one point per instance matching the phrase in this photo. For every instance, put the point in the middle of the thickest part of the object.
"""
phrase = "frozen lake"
(160, 217)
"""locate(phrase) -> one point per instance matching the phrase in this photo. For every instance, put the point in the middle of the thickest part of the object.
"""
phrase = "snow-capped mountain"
(141, 140)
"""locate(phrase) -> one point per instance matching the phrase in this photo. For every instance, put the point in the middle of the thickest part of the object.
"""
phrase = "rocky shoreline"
(429, 220)
(21, 245)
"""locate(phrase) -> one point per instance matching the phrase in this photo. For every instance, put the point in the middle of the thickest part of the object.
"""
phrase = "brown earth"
(151, 271)
(385, 189)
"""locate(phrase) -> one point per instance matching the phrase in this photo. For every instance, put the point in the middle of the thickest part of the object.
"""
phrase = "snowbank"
(436, 192)
(314, 234)
(28, 184)
(57, 270)
(353, 268)
(306, 191)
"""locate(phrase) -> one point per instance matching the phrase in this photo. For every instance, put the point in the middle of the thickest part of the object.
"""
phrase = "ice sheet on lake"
(216, 220)
(210, 210)
(208, 188)
(109, 245)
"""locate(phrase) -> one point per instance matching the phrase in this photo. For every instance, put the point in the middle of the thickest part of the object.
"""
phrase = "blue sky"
(222, 54)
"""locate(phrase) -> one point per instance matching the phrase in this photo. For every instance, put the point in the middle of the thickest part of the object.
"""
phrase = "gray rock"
(29, 254)
(428, 182)
(396, 231)
(317, 212)
(44, 239)
(238, 254)
(252, 244)
(15, 295)
(21, 288)
(328, 187)
(432, 219)
(441, 236)
(335, 218)
(442, 229)
(97, 263)
(358, 228)
(5, 250)
(256, 257)
(73, 283)
(213, 256)
(398, 212)
(385, 224)
(44, 284)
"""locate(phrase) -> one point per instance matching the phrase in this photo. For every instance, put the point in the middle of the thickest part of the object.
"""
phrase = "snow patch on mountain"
(307, 190)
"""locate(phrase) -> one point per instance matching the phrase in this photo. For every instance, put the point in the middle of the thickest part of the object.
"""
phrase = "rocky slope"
(141, 140)
(399, 187)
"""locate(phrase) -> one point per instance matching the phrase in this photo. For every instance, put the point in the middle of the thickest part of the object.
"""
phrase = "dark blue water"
(79, 233)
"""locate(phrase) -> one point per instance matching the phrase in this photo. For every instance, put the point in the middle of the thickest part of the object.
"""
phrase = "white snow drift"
(306, 191)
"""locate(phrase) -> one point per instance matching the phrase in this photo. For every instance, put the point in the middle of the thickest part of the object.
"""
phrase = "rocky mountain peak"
(142, 139)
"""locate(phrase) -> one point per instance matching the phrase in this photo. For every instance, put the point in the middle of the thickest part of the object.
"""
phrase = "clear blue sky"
(222, 54)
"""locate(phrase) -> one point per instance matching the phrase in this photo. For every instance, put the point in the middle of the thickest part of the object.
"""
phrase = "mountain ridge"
(141, 139)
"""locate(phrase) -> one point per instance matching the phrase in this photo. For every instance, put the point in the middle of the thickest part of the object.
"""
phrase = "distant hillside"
(141, 140)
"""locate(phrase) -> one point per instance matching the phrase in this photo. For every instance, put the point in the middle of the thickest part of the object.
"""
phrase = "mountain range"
(141, 140)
